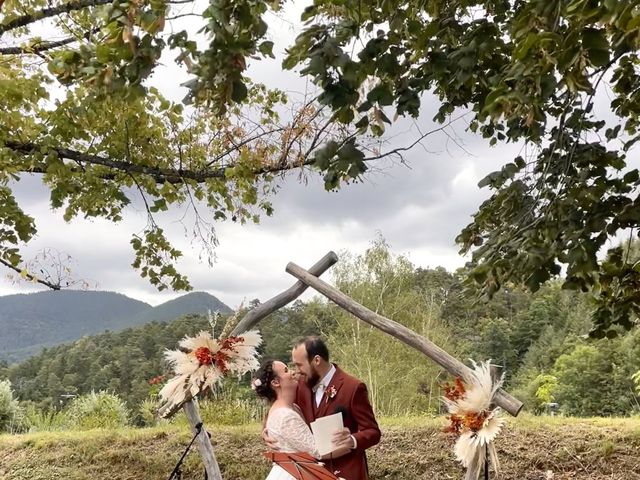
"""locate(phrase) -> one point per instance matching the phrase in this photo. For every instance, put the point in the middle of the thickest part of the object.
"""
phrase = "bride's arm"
(298, 435)
(300, 438)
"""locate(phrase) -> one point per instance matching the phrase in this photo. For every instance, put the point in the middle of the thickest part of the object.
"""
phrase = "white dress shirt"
(319, 390)
(323, 384)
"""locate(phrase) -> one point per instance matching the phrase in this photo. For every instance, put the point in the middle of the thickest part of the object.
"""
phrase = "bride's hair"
(261, 381)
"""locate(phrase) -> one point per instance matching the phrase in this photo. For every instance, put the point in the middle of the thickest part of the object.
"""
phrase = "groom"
(324, 389)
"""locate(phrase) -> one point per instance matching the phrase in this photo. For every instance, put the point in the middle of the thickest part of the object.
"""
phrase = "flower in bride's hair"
(256, 383)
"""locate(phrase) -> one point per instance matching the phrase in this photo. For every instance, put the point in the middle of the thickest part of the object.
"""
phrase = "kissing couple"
(312, 389)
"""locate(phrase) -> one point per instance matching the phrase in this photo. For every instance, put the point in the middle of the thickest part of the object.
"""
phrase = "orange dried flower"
(221, 357)
(456, 391)
(204, 356)
(455, 425)
(474, 421)
(156, 380)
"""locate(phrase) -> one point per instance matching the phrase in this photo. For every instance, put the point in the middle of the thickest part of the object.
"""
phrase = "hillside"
(30, 322)
(194, 302)
(411, 448)
(123, 362)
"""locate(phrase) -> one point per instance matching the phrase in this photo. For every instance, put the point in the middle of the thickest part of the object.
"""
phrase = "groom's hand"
(343, 439)
(271, 442)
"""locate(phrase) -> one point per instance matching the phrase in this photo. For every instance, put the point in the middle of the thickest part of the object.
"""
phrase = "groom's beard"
(312, 379)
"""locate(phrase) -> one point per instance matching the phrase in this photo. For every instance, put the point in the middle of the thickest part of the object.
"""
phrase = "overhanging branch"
(160, 175)
(396, 151)
(52, 286)
(50, 12)
(179, 175)
(35, 49)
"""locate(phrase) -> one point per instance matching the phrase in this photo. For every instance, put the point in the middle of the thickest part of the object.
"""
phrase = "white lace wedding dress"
(292, 434)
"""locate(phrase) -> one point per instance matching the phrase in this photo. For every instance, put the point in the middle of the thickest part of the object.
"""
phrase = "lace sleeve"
(292, 432)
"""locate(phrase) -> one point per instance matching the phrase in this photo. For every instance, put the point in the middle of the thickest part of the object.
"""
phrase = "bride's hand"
(271, 442)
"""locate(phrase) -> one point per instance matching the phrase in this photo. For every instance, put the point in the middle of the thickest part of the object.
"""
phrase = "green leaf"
(524, 47)
(599, 58)
(103, 53)
(631, 177)
(489, 179)
(266, 48)
(381, 94)
(239, 91)
(289, 62)
(362, 123)
(593, 39)
(308, 13)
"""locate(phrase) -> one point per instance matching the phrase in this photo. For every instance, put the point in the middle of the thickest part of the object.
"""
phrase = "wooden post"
(511, 404)
(204, 443)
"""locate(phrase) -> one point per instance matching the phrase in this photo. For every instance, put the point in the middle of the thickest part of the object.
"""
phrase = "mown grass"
(530, 448)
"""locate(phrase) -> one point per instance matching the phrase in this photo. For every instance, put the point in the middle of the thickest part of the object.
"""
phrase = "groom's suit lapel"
(306, 402)
(326, 402)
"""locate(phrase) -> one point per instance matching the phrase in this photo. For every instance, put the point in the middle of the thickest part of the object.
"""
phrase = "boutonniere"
(331, 392)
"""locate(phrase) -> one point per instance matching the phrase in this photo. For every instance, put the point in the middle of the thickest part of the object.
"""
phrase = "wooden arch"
(309, 278)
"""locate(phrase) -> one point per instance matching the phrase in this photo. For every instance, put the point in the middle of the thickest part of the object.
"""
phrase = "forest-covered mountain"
(124, 362)
(30, 322)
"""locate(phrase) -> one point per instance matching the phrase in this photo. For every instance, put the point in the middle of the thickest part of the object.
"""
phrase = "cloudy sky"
(419, 207)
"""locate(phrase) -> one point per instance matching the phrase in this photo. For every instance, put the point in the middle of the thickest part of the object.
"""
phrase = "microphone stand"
(177, 472)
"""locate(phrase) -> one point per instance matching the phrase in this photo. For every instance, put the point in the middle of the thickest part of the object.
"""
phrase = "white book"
(323, 429)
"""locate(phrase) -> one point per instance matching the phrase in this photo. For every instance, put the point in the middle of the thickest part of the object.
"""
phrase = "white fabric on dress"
(292, 434)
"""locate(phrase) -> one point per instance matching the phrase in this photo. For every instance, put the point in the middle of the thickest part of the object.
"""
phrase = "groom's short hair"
(314, 346)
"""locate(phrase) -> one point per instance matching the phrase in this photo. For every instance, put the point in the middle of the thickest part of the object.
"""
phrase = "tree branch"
(52, 286)
(173, 175)
(396, 151)
(185, 15)
(34, 50)
(160, 175)
(50, 12)
(243, 143)
(58, 9)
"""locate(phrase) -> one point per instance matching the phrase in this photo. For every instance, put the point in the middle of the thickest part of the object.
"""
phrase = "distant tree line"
(539, 339)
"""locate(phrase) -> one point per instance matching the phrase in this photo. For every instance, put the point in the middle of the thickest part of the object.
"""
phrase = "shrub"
(234, 411)
(232, 404)
(97, 410)
(44, 420)
(12, 417)
(148, 413)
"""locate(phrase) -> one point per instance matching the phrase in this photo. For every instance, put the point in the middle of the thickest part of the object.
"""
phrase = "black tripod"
(486, 462)
(177, 471)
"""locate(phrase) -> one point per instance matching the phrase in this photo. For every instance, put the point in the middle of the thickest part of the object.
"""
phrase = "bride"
(277, 384)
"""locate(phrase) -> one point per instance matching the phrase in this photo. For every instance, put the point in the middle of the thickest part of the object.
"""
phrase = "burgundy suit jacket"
(352, 400)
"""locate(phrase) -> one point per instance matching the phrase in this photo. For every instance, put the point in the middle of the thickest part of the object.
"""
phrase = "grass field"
(531, 448)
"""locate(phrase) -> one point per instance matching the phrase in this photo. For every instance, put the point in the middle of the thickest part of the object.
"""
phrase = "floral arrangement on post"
(203, 361)
(473, 420)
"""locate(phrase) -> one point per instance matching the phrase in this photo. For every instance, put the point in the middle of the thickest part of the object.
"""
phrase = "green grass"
(412, 448)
